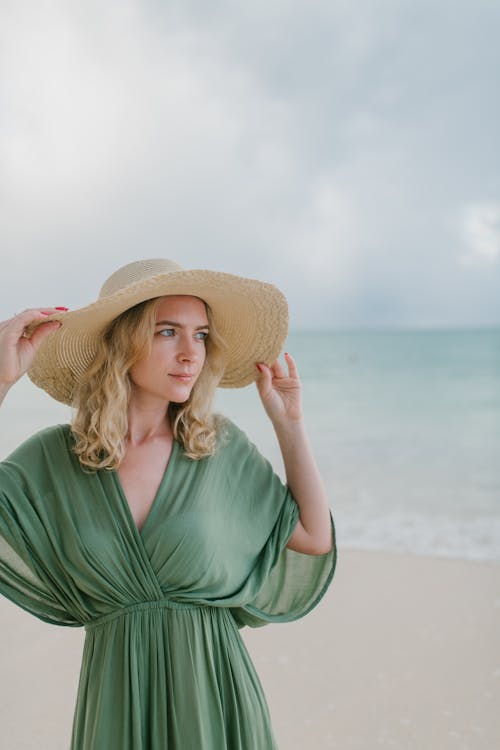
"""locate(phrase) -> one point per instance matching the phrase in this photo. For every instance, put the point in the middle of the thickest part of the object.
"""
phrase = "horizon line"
(491, 327)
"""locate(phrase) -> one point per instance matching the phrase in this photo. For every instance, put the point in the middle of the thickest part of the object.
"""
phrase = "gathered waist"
(164, 603)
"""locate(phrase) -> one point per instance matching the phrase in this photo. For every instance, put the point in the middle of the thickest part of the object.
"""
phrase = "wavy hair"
(100, 420)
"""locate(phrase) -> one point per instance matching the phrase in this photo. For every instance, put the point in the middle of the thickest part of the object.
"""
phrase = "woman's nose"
(187, 349)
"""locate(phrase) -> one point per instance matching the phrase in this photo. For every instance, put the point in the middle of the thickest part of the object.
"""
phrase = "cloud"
(311, 144)
(480, 226)
(114, 130)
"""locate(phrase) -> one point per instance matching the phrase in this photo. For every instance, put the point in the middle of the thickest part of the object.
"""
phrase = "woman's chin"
(181, 396)
(179, 400)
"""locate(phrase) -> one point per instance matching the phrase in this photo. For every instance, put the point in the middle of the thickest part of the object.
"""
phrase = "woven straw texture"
(251, 315)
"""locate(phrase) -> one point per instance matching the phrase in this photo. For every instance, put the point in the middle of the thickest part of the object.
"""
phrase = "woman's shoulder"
(43, 443)
(227, 430)
(232, 440)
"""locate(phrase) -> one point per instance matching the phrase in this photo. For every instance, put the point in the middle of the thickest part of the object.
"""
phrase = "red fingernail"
(44, 313)
(61, 308)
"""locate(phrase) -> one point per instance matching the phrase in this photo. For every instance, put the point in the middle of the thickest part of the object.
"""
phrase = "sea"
(404, 426)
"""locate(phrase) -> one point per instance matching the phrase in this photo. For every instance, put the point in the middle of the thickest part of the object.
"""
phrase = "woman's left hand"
(280, 394)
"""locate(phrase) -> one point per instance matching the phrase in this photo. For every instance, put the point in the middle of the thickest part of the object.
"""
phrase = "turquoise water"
(406, 431)
(405, 427)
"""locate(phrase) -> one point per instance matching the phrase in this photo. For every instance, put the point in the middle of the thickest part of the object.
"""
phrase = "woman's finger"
(292, 367)
(277, 370)
(263, 380)
(22, 320)
(42, 331)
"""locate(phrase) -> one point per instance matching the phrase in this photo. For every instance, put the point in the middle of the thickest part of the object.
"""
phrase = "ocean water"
(405, 428)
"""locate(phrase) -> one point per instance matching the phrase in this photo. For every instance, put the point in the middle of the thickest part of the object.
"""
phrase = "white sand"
(403, 652)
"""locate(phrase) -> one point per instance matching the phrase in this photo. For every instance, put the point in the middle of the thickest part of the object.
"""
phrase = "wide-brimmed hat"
(251, 316)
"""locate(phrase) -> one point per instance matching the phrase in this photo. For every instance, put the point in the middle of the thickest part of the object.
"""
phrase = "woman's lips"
(182, 378)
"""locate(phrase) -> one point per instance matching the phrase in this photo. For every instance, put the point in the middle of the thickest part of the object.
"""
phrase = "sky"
(346, 152)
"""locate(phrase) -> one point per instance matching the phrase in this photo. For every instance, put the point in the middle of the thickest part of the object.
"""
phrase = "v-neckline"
(125, 502)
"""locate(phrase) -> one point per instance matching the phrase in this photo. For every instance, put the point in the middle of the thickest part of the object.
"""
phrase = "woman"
(152, 522)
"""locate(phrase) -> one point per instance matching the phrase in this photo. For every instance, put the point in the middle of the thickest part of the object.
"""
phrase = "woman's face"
(178, 349)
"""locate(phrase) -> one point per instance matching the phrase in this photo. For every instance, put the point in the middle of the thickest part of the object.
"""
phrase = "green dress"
(164, 666)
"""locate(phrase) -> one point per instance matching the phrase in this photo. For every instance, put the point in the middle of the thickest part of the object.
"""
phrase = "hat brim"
(251, 316)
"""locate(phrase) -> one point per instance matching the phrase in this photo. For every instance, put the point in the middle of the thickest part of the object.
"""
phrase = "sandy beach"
(403, 652)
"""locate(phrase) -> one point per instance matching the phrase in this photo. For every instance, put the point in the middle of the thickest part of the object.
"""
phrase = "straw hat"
(251, 315)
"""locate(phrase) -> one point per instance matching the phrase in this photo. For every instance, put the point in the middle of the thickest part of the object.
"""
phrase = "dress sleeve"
(283, 585)
(29, 568)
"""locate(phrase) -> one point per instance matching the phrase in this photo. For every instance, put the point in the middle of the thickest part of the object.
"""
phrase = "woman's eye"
(169, 332)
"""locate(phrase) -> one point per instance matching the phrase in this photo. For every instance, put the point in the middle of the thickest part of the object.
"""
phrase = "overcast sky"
(345, 151)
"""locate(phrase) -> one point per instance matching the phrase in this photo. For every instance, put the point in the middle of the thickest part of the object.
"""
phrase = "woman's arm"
(312, 534)
(282, 400)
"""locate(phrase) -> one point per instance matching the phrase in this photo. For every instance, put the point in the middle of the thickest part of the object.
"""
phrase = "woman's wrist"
(288, 425)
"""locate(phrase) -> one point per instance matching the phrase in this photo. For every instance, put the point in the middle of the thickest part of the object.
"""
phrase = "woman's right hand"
(16, 350)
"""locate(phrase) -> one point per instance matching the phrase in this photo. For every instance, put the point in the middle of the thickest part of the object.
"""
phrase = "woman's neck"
(145, 424)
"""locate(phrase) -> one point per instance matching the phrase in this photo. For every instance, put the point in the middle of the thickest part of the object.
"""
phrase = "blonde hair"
(100, 422)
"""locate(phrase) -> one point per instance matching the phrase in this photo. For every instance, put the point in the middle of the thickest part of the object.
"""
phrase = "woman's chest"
(141, 474)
